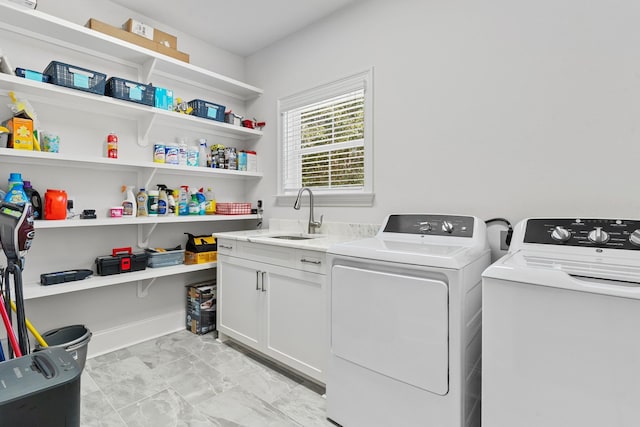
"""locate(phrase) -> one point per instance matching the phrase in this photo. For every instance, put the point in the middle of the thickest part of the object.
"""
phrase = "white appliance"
(561, 326)
(405, 324)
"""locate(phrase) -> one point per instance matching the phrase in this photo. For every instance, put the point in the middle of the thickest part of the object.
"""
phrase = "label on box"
(135, 93)
(212, 112)
(141, 29)
(32, 75)
(80, 80)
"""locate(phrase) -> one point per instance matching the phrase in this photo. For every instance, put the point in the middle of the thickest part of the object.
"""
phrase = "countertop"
(317, 242)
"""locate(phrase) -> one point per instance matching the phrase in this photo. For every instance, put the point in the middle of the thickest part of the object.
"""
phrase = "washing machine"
(405, 322)
(561, 322)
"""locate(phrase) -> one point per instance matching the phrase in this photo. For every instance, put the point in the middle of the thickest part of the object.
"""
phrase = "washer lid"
(423, 254)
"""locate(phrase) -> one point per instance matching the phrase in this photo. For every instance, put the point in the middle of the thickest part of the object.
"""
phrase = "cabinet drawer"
(227, 246)
(270, 254)
(313, 261)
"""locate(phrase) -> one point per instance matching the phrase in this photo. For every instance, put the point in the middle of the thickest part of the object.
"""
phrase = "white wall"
(493, 108)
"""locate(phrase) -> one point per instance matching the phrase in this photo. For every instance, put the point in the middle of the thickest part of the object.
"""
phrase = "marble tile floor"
(183, 379)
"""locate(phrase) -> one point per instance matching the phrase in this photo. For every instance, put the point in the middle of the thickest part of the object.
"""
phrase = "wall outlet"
(503, 240)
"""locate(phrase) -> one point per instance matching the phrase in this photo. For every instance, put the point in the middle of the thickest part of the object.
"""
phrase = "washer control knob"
(598, 236)
(635, 238)
(560, 234)
(447, 227)
(424, 226)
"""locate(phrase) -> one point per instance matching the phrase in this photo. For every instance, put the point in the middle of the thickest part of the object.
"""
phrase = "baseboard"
(108, 340)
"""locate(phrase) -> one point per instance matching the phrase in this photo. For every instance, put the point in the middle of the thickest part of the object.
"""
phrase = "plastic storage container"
(164, 258)
(32, 75)
(130, 91)
(74, 339)
(207, 110)
(76, 77)
(55, 204)
(233, 208)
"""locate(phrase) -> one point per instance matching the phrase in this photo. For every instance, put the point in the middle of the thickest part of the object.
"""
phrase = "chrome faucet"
(312, 223)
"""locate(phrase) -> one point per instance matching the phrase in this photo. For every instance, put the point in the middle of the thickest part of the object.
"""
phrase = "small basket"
(164, 258)
(130, 91)
(76, 77)
(233, 208)
(207, 110)
(32, 75)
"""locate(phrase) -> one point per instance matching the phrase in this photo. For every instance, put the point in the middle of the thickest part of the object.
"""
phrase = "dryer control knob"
(447, 227)
(424, 227)
(560, 234)
(598, 236)
(635, 238)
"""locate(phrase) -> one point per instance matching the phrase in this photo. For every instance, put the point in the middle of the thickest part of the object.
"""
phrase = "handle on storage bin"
(116, 251)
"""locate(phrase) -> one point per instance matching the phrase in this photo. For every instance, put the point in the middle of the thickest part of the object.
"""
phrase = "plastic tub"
(74, 339)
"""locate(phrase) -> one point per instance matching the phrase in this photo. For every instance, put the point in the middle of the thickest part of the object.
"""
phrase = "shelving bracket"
(147, 180)
(144, 127)
(143, 241)
(146, 70)
(143, 291)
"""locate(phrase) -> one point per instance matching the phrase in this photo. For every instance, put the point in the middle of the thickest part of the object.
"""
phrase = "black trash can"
(74, 339)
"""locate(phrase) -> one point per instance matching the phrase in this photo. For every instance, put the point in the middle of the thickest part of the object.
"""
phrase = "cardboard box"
(121, 34)
(200, 257)
(21, 137)
(148, 32)
(201, 307)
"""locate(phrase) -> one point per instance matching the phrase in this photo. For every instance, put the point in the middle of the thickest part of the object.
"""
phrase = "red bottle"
(112, 146)
(55, 204)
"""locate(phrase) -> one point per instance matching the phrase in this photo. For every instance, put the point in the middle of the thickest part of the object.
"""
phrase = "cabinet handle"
(226, 247)
(257, 278)
(311, 261)
(263, 273)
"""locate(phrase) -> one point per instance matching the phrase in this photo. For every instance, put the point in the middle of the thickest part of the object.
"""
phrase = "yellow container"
(22, 133)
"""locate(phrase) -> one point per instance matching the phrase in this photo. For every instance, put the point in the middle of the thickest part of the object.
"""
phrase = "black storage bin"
(130, 91)
(76, 77)
(207, 110)
(121, 260)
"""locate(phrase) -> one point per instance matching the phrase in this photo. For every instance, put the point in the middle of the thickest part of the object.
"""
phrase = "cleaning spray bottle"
(183, 200)
(172, 200)
(202, 202)
(194, 204)
(163, 201)
(129, 207)
(141, 199)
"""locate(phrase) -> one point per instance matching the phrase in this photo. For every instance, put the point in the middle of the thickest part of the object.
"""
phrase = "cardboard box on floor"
(110, 30)
(151, 33)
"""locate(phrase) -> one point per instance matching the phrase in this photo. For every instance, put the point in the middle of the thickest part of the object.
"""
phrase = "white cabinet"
(271, 307)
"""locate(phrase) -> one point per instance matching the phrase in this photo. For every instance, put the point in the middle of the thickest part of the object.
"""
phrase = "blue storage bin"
(32, 75)
(76, 77)
(130, 91)
(207, 110)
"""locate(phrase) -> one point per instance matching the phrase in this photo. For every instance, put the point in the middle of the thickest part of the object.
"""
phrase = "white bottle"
(202, 152)
(163, 201)
(192, 156)
(129, 207)
(182, 152)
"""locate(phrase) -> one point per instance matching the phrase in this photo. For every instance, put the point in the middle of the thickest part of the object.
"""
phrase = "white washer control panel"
(599, 233)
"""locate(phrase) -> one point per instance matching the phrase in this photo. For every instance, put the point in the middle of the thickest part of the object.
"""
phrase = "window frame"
(331, 197)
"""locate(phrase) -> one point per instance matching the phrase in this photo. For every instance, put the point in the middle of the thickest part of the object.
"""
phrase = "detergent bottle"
(35, 199)
(129, 207)
(171, 202)
(141, 199)
(163, 201)
(15, 192)
(210, 208)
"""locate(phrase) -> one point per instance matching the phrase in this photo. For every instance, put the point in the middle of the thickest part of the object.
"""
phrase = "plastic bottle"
(152, 202)
(182, 152)
(202, 202)
(210, 208)
(171, 202)
(129, 206)
(163, 200)
(141, 200)
(183, 200)
(194, 204)
(35, 199)
(202, 152)
(55, 204)
(15, 192)
(192, 156)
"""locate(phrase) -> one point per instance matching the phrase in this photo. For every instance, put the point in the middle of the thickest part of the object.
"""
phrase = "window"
(326, 142)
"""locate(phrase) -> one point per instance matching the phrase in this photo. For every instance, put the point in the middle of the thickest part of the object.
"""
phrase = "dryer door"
(393, 324)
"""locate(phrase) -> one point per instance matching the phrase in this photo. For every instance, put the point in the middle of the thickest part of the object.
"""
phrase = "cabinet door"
(296, 320)
(239, 299)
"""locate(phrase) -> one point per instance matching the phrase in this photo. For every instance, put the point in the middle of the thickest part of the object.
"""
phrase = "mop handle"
(32, 329)
(10, 334)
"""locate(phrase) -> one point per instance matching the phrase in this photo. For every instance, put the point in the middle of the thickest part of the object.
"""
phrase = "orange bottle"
(55, 204)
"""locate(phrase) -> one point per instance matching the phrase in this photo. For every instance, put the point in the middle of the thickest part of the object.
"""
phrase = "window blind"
(323, 143)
